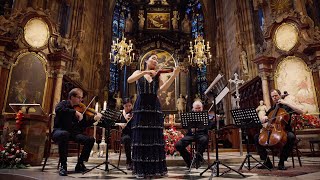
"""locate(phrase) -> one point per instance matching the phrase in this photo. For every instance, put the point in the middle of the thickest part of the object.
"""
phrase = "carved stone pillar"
(265, 71)
(58, 63)
(4, 69)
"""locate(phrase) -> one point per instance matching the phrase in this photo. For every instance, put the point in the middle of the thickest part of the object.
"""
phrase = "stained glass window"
(261, 18)
(194, 10)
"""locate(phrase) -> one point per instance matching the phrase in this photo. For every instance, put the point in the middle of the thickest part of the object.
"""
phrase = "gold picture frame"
(158, 21)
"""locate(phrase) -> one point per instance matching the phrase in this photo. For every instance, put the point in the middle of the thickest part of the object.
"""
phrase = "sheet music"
(223, 93)
(219, 76)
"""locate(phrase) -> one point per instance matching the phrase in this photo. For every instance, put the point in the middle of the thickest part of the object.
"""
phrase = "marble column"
(58, 65)
(265, 89)
(58, 87)
(265, 72)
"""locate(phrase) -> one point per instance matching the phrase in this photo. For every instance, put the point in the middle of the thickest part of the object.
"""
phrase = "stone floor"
(176, 169)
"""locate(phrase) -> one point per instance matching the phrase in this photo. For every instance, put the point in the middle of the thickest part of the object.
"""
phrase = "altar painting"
(295, 77)
(26, 81)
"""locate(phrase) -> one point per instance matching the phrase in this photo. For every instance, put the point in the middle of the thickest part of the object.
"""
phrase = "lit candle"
(132, 55)
(104, 105)
(97, 107)
(110, 56)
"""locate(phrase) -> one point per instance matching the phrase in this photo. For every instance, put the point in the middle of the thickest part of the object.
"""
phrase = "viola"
(82, 108)
(274, 134)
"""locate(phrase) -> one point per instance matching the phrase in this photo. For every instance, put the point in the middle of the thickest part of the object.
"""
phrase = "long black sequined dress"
(148, 153)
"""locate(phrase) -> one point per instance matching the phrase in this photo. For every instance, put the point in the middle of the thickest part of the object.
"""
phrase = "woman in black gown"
(148, 154)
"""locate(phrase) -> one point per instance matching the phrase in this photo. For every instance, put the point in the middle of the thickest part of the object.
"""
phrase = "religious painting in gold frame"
(27, 81)
(165, 59)
(158, 21)
(294, 76)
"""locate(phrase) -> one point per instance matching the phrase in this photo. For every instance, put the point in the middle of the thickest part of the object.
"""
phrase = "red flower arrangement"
(11, 154)
(306, 121)
(171, 137)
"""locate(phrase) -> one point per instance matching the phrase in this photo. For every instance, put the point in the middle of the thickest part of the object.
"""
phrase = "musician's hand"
(123, 125)
(79, 116)
(177, 70)
(152, 73)
(282, 101)
(128, 116)
(264, 119)
(97, 117)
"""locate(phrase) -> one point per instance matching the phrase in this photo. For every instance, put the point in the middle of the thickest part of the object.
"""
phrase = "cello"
(274, 134)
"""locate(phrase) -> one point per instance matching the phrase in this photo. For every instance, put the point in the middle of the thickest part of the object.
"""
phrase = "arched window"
(194, 10)
(120, 13)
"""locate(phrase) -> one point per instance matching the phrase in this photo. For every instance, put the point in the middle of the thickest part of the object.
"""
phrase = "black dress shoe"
(80, 167)
(63, 171)
(282, 167)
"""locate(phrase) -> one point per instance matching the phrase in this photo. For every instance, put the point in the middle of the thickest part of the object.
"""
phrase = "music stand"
(246, 119)
(197, 120)
(109, 117)
(215, 93)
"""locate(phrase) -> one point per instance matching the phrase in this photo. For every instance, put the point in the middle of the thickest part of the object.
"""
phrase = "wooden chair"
(208, 149)
(49, 141)
(295, 150)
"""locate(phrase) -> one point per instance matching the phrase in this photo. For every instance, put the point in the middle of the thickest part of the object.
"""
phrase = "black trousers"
(201, 141)
(62, 137)
(285, 152)
(126, 141)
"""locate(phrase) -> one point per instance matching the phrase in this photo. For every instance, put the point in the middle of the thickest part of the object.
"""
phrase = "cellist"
(290, 108)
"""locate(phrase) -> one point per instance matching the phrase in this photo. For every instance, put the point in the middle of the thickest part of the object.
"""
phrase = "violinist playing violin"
(69, 124)
(126, 116)
(285, 151)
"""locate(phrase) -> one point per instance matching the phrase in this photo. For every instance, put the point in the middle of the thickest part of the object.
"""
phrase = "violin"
(82, 108)
(274, 134)
(164, 70)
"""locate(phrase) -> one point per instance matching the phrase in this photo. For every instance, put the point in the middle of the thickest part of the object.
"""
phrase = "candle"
(97, 107)
(104, 105)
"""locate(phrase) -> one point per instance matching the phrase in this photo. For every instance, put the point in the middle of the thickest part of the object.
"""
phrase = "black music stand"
(108, 120)
(246, 119)
(215, 93)
(197, 120)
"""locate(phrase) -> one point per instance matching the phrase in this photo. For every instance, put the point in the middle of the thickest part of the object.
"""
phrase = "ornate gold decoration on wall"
(36, 32)
(286, 36)
(280, 6)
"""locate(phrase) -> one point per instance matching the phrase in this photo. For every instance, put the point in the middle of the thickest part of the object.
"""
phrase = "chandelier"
(121, 52)
(200, 53)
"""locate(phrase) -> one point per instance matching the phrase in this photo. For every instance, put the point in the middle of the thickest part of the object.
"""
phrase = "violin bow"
(94, 97)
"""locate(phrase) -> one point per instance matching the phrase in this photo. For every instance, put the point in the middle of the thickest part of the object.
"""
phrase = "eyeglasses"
(79, 97)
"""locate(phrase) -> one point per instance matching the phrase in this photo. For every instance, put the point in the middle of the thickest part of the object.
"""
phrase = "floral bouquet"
(171, 137)
(11, 154)
(306, 121)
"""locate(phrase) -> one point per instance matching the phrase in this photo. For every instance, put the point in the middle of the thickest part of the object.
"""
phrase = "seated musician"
(69, 124)
(290, 108)
(126, 130)
(200, 137)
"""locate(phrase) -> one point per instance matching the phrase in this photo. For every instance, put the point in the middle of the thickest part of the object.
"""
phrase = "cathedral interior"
(48, 47)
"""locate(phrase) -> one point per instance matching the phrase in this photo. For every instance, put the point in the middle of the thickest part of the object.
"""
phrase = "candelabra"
(200, 53)
(121, 52)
